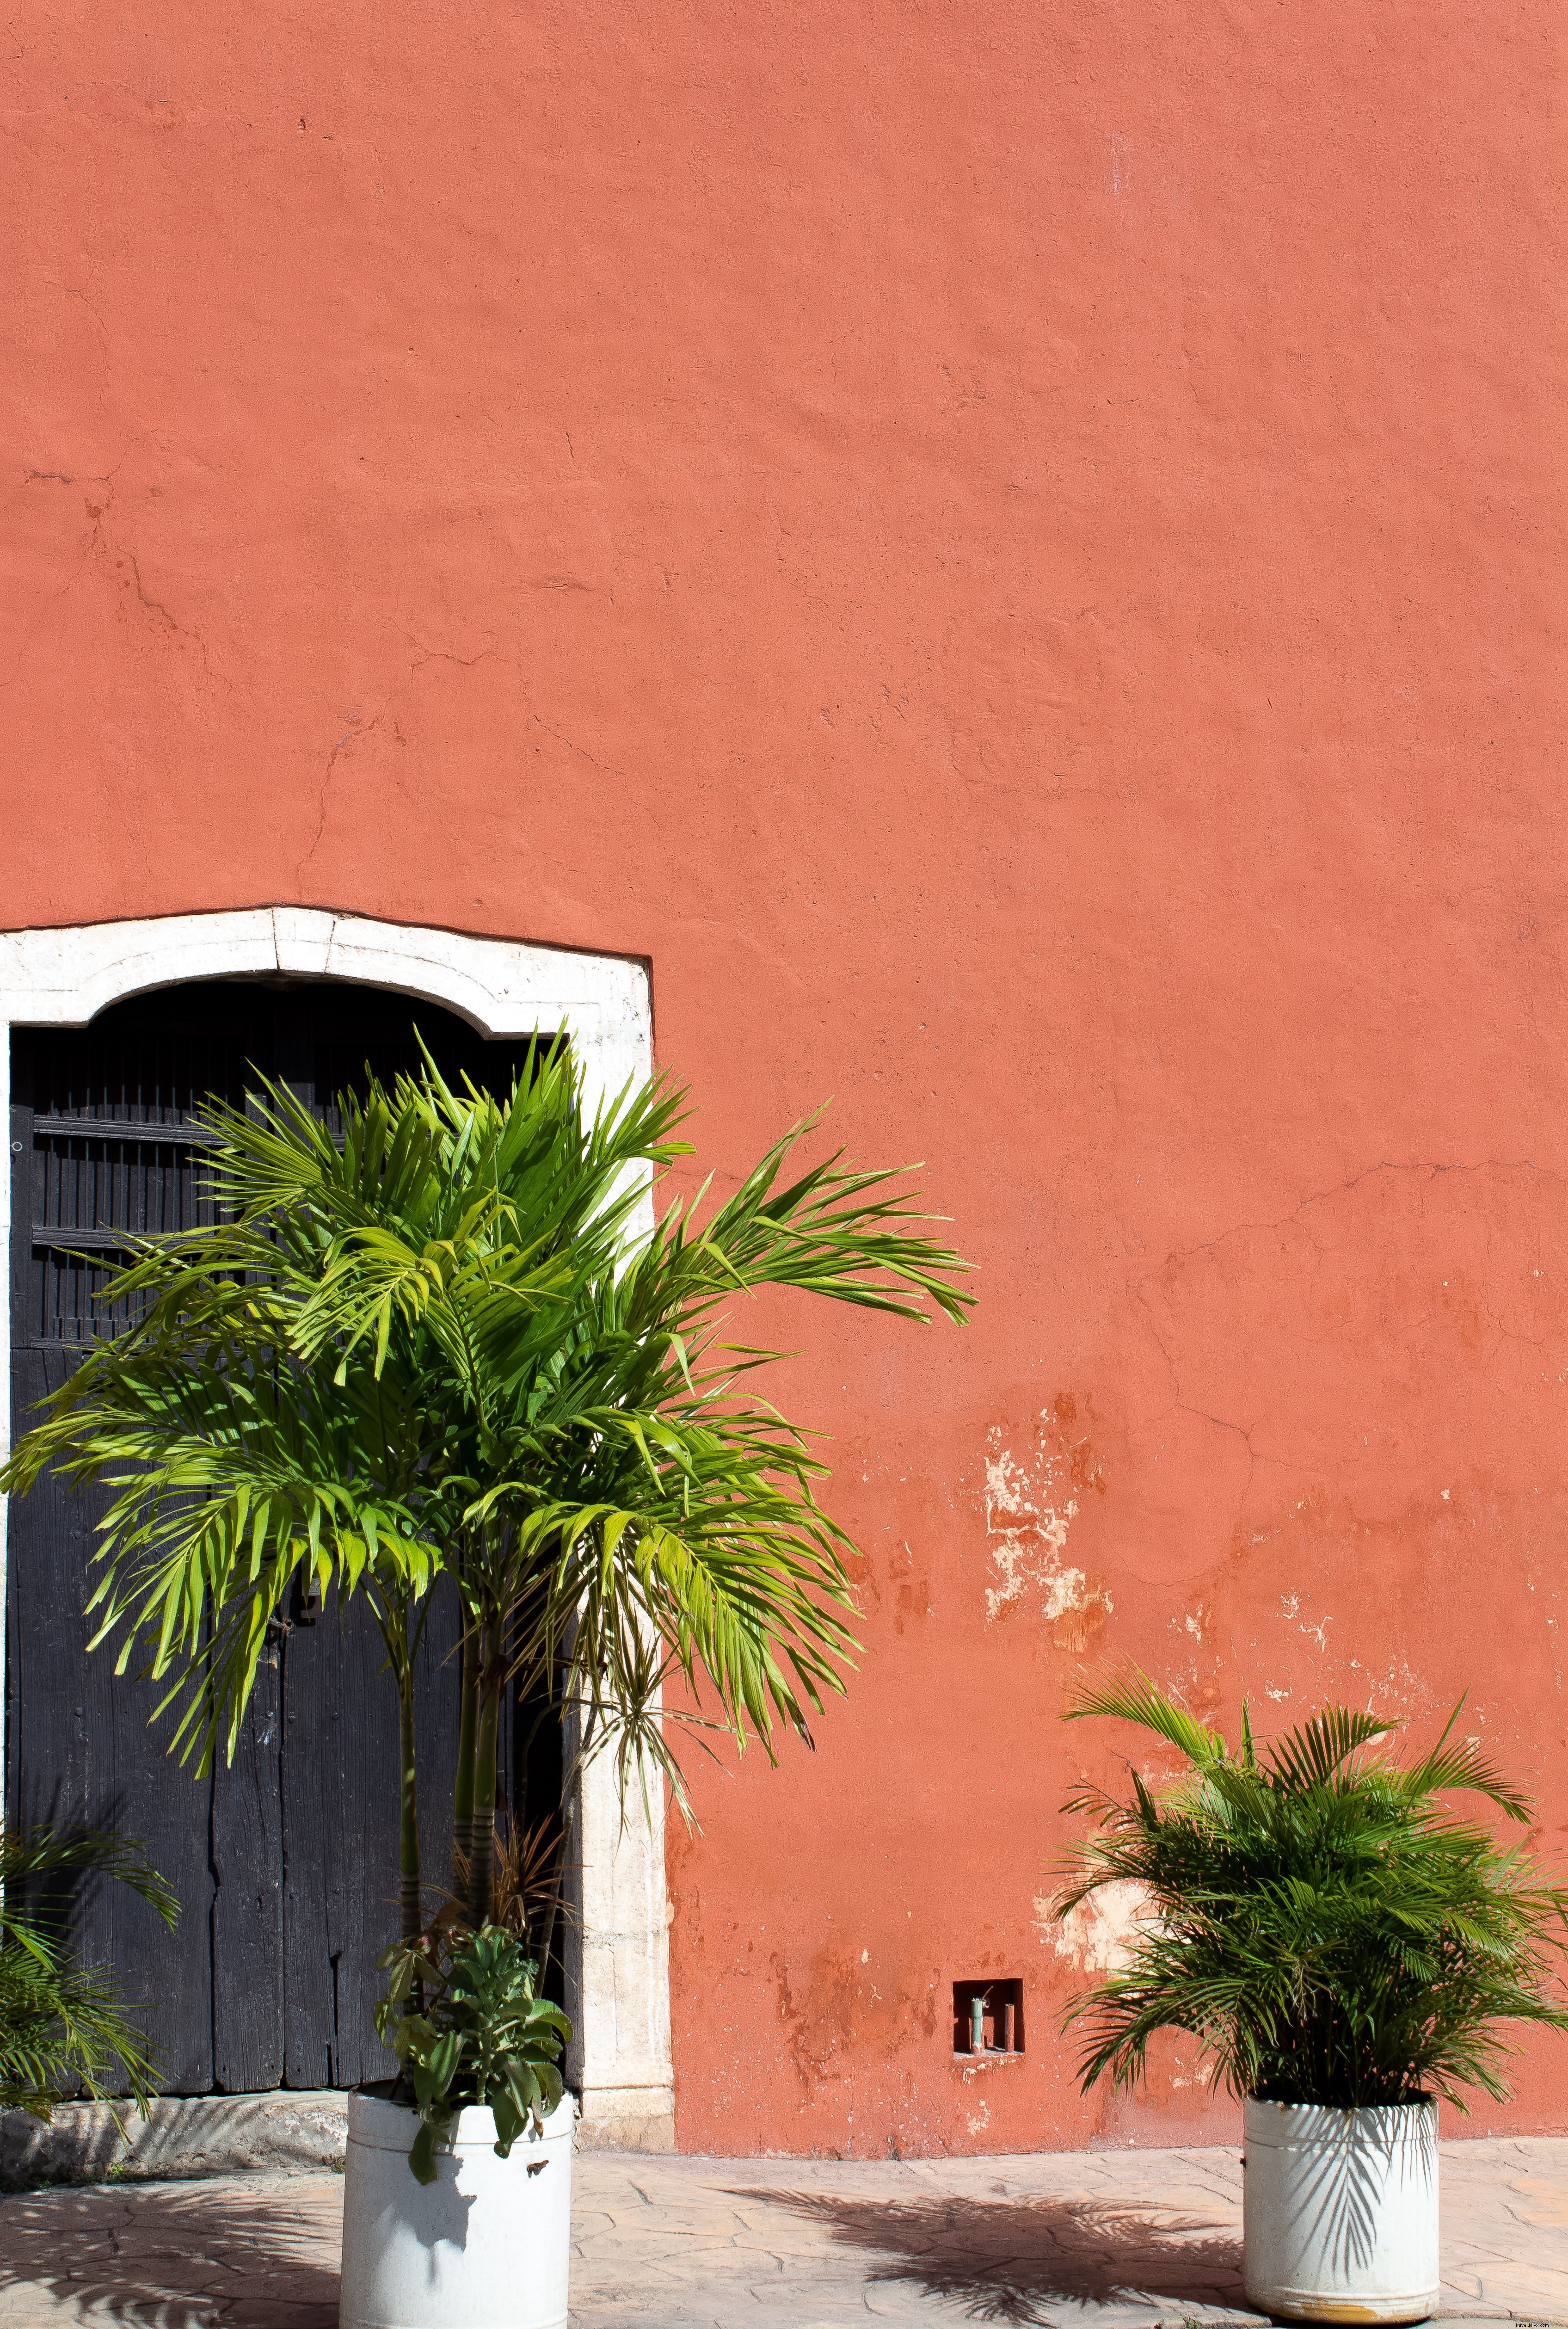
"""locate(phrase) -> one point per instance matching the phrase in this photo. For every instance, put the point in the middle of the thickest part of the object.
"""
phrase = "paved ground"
(1089, 2240)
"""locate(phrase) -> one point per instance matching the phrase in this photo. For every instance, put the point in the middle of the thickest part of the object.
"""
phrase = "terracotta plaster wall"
(1015, 551)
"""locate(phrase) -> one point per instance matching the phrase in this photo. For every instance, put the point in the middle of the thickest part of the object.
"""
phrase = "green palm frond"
(1450, 1769)
(1315, 1915)
(432, 1354)
(64, 2028)
(1133, 1698)
(827, 1232)
(1319, 1748)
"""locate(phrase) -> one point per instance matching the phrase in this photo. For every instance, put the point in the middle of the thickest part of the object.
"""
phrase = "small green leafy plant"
(461, 2017)
(1315, 1916)
(64, 2030)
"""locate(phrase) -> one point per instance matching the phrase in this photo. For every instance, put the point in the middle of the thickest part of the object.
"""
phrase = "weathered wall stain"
(1093, 1938)
(1032, 1498)
(1016, 555)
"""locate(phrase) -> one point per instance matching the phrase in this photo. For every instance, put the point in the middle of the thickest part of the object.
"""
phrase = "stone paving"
(1102, 2240)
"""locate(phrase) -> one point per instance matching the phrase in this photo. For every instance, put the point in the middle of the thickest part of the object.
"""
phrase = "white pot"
(486, 2245)
(1339, 2211)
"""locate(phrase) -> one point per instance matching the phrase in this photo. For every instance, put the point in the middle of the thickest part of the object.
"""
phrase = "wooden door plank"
(248, 1896)
(339, 1845)
(341, 1822)
(82, 1756)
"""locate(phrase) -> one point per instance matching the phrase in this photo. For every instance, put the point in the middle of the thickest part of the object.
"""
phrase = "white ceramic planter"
(1339, 2211)
(484, 2247)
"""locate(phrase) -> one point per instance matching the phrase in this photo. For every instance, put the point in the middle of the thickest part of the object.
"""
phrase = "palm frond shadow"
(1341, 2191)
(1026, 2261)
(153, 2260)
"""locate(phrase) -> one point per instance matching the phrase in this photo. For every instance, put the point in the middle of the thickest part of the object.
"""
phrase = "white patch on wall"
(1097, 1936)
(1029, 1507)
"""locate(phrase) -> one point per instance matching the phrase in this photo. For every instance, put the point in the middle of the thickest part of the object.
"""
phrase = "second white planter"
(1339, 2211)
(485, 2246)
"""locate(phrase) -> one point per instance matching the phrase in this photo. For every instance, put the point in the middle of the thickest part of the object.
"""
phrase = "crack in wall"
(605, 767)
(1184, 1406)
(1210, 1248)
(357, 732)
(180, 630)
(97, 516)
(1339, 1188)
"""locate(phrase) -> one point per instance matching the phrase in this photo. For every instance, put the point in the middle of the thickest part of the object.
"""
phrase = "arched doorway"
(285, 1862)
(616, 1947)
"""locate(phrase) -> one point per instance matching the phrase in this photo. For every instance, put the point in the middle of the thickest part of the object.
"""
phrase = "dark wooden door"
(285, 1863)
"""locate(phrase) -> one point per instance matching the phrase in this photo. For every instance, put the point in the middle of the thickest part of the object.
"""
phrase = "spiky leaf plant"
(436, 1349)
(1315, 1915)
(64, 2028)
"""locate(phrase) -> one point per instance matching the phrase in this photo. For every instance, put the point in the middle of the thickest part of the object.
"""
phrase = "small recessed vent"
(987, 2017)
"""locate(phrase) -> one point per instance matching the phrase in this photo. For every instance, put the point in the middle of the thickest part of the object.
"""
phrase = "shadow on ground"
(172, 2255)
(202, 2135)
(1026, 2261)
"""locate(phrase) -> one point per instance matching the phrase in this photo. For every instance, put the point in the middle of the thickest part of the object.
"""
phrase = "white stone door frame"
(618, 1952)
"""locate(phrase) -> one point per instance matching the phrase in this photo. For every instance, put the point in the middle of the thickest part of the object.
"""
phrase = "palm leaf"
(1133, 1698)
(1316, 1750)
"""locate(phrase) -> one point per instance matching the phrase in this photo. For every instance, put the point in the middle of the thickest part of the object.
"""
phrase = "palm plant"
(63, 2026)
(1312, 1913)
(434, 1349)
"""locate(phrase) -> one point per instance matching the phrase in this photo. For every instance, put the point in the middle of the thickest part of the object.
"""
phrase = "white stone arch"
(618, 1952)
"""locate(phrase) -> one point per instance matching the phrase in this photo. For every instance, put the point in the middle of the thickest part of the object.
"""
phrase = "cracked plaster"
(1034, 602)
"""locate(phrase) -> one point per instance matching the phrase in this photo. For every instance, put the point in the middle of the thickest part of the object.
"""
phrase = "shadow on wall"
(171, 2258)
(1014, 2261)
(206, 2134)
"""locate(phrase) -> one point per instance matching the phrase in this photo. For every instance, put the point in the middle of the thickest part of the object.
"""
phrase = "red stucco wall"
(1016, 553)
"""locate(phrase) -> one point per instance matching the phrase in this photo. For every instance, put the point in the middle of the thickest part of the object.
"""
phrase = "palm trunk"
(410, 1887)
(481, 1852)
(571, 1770)
(556, 1879)
(467, 1745)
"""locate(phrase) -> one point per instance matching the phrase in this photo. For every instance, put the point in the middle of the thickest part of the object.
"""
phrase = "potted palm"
(435, 1354)
(1344, 1948)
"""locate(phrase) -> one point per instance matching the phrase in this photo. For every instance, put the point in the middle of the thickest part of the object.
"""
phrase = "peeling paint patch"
(1396, 1686)
(1290, 1608)
(1027, 1513)
(1097, 1936)
(1031, 1502)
